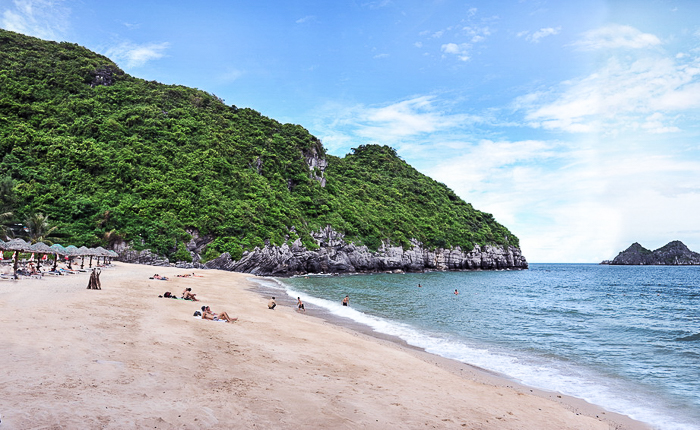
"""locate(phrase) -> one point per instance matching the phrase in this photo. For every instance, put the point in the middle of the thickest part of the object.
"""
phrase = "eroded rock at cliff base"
(334, 255)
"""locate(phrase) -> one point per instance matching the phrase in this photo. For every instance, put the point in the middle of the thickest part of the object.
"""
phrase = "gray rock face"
(334, 255)
(674, 253)
(143, 257)
(316, 163)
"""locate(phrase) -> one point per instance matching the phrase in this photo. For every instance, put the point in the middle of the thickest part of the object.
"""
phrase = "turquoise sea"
(626, 338)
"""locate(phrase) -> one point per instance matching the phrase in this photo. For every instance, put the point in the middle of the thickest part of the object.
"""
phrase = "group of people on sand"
(187, 294)
(272, 304)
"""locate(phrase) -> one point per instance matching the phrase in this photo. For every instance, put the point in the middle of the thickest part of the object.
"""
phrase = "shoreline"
(123, 358)
(462, 369)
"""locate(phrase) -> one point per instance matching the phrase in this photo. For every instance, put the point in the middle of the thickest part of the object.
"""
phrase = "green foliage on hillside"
(111, 157)
(381, 196)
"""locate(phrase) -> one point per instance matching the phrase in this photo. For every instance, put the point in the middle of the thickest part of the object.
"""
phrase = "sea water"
(626, 338)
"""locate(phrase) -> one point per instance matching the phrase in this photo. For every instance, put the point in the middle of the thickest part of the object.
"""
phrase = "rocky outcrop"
(317, 164)
(674, 254)
(142, 257)
(334, 255)
(197, 244)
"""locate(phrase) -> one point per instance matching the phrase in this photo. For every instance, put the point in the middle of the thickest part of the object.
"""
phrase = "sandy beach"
(122, 357)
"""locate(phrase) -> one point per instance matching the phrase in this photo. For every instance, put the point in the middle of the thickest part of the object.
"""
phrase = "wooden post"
(16, 262)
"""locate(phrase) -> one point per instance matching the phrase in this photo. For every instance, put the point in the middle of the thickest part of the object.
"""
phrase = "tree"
(4, 217)
(38, 228)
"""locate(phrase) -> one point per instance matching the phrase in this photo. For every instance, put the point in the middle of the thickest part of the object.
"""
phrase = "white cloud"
(477, 34)
(381, 56)
(377, 4)
(408, 118)
(654, 123)
(46, 19)
(463, 37)
(542, 33)
(137, 55)
(568, 201)
(572, 204)
(304, 20)
(230, 75)
(618, 96)
(460, 50)
(403, 124)
(615, 36)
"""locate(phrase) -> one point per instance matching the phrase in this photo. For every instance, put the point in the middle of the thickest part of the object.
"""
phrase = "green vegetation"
(109, 157)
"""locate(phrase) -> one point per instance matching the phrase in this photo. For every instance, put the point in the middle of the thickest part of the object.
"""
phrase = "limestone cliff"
(334, 255)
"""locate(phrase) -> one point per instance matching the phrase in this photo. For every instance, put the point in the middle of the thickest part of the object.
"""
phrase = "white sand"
(121, 357)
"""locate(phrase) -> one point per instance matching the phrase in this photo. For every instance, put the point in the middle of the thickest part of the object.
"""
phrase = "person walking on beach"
(346, 301)
(300, 305)
(271, 304)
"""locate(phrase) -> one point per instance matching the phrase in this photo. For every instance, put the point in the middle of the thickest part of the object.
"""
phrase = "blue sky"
(575, 123)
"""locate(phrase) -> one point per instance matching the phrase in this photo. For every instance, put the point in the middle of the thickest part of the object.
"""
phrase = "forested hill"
(111, 158)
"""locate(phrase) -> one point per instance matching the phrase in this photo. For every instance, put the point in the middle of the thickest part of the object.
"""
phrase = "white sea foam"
(567, 378)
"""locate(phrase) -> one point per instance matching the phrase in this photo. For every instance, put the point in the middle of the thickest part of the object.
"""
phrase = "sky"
(575, 123)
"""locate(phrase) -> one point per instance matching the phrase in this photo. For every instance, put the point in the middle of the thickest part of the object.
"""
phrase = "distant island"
(672, 254)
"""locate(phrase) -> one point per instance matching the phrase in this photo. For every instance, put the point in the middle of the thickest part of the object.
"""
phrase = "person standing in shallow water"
(456, 292)
(346, 301)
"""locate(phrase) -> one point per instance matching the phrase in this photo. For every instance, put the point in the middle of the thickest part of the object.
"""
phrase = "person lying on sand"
(187, 295)
(207, 314)
(157, 276)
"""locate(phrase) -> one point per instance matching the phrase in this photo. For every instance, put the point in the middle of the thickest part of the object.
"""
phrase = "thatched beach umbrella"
(17, 245)
(58, 249)
(92, 253)
(100, 252)
(71, 251)
(83, 251)
(41, 248)
(112, 254)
